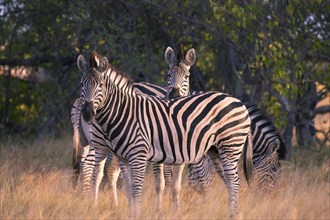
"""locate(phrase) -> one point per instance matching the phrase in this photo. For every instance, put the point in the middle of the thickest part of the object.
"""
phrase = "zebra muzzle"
(88, 111)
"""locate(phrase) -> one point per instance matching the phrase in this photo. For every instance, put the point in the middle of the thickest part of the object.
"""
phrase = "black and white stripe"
(82, 137)
(179, 131)
(200, 175)
(268, 146)
(83, 161)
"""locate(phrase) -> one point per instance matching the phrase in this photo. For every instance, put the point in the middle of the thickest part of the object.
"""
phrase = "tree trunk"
(305, 132)
(288, 134)
(7, 98)
(305, 116)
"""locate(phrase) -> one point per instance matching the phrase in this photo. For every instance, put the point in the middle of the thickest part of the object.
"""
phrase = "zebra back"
(264, 131)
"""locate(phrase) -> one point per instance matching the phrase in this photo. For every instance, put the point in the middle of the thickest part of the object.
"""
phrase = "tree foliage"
(269, 52)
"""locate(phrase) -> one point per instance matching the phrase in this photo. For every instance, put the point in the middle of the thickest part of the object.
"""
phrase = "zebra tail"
(76, 149)
(248, 158)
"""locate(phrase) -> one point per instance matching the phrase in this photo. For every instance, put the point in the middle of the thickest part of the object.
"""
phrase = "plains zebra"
(82, 137)
(268, 146)
(140, 128)
(81, 157)
(199, 175)
(82, 133)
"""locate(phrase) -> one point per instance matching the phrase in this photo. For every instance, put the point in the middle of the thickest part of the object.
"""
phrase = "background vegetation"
(273, 53)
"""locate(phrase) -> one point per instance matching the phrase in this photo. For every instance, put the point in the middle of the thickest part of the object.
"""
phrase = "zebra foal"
(179, 131)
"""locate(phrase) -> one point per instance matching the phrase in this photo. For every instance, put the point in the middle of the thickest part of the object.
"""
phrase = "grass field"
(35, 184)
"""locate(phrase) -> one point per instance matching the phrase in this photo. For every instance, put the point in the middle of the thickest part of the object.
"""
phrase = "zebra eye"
(101, 83)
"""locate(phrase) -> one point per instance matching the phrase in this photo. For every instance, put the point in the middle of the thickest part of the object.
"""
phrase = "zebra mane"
(282, 150)
(94, 63)
(124, 75)
(181, 54)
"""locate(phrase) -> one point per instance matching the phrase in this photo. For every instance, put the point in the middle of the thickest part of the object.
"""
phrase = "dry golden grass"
(35, 184)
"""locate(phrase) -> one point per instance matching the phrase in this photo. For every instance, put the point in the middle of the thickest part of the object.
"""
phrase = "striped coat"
(140, 128)
(268, 146)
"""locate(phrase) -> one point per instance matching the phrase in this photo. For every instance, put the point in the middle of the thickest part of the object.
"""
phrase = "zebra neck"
(119, 97)
(118, 81)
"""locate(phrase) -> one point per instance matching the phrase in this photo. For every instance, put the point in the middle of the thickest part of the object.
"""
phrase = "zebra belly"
(170, 159)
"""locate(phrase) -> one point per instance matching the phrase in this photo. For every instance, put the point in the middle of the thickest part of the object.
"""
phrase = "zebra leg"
(111, 174)
(177, 178)
(115, 175)
(99, 167)
(200, 175)
(87, 165)
(76, 168)
(115, 172)
(159, 184)
(137, 168)
(127, 179)
(100, 158)
(232, 182)
(108, 171)
(168, 177)
(217, 164)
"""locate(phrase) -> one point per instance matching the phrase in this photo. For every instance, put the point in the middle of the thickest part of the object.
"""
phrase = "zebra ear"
(82, 64)
(190, 58)
(274, 146)
(103, 66)
(170, 56)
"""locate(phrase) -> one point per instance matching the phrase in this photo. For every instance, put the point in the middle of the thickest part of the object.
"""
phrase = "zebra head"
(178, 74)
(92, 83)
(269, 171)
